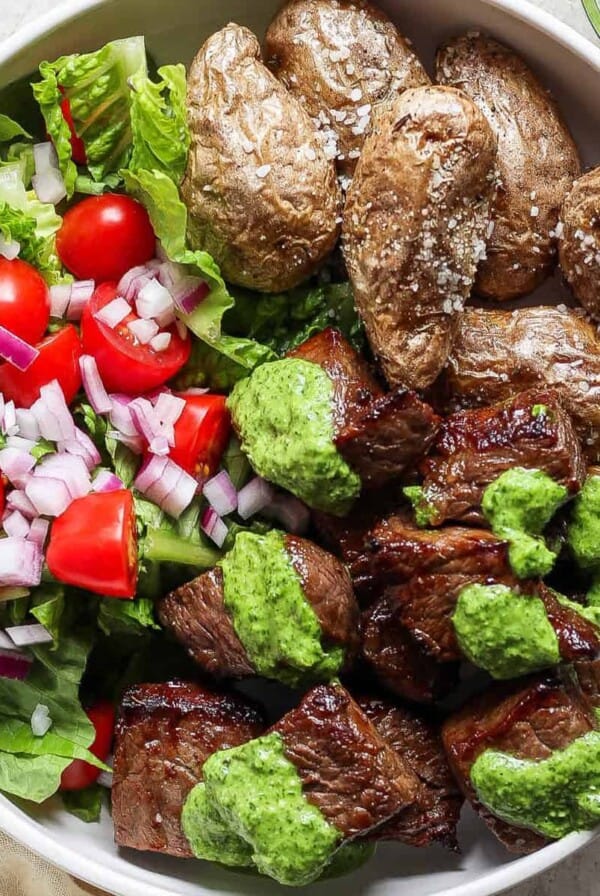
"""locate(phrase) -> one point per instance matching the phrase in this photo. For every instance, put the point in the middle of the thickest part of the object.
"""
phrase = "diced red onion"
(16, 350)
(20, 562)
(134, 443)
(18, 500)
(180, 497)
(196, 390)
(143, 330)
(166, 318)
(254, 497)
(16, 464)
(107, 481)
(145, 418)
(71, 469)
(14, 664)
(41, 723)
(214, 527)
(44, 157)
(38, 532)
(49, 186)
(127, 281)
(81, 446)
(27, 424)
(60, 296)
(50, 497)
(169, 407)
(170, 273)
(188, 293)
(159, 445)
(153, 299)
(93, 385)
(161, 342)
(20, 443)
(151, 471)
(167, 481)
(81, 292)
(9, 419)
(9, 249)
(291, 513)
(120, 415)
(30, 634)
(15, 525)
(221, 494)
(52, 413)
(113, 312)
(167, 484)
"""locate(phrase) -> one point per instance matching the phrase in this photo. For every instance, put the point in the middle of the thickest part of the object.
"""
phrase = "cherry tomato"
(93, 544)
(58, 360)
(124, 366)
(77, 145)
(80, 774)
(201, 434)
(102, 237)
(24, 300)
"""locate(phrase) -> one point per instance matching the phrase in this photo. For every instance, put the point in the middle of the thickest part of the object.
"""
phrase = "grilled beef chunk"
(578, 639)
(164, 734)
(379, 435)
(497, 354)
(528, 720)
(474, 447)
(196, 614)
(434, 815)
(398, 660)
(588, 674)
(347, 769)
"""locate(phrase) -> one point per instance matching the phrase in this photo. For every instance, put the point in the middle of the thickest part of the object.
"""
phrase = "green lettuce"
(86, 804)
(161, 137)
(126, 616)
(10, 130)
(96, 85)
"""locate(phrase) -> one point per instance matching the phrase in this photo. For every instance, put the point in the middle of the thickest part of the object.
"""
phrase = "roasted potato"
(579, 245)
(414, 227)
(340, 58)
(499, 353)
(262, 197)
(537, 161)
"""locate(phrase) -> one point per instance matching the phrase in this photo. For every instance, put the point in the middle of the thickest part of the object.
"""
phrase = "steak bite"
(473, 448)
(434, 816)
(164, 734)
(277, 606)
(528, 720)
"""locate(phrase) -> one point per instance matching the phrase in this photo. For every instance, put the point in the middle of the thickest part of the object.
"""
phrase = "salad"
(264, 491)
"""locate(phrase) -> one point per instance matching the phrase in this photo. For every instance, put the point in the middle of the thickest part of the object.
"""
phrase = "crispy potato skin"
(262, 197)
(499, 353)
(579, 246)
(415, 220)
(537, 161)
(340, 59)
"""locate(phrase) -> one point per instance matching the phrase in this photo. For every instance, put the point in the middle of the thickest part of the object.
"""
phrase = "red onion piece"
(161, 342)
(145, 418)
(113, 312)
(9, 249)
(169, 408)
(152, 469)
(27, 424)
(81, 446)
(180, 497)
(221, 494)
(70, 469)
(166, 318)
(29, 635)
(93, 385)
(169, 273)
(166, 482)
(9, 418)
(51, 395)
(188, 293)
(60, 296)
(159, 445)
(134, 443)
(16, 350)
(214, 527)
(18, 500)
(45, 157)
(50, 497)
(127, 281)
(41, 723)
(254, 497)
(153, 299)
(107, 481)
(38, 532)
(49, 186)
(20, 562)
(16, 464)
(143, 330)
(14, 664)
(81, 292)
(20, 443)
(291, 513)
(15, 525)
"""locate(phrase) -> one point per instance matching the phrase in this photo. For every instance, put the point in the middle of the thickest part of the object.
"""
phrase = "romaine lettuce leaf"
(10, 130)
(161, 137)
(126, 616)
(86, 804)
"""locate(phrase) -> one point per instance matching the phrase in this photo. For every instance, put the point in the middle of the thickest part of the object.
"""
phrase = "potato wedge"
(262, 197)
(415, 222)
(340, 59)
(579, 244)
(537, 161)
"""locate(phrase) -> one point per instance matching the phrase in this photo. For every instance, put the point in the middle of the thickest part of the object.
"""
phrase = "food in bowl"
(215, 467)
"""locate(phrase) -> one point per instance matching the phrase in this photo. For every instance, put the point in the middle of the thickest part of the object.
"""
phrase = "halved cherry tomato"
(124, 366)
(93, 544)
(24, 300)
(201, 434)
(80, 774)
(58, 359)
(102, 237)
(77, 145)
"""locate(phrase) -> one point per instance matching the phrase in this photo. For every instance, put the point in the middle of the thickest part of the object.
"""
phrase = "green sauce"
(584, 530)
(271, 614)
(589, 611)
(554, 796)
(209, 836)
(505, 633)
(284, 415)
(518, 505)
(424, 512)
(258, 794)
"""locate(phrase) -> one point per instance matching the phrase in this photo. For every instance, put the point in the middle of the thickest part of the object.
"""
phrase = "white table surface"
(581, 875)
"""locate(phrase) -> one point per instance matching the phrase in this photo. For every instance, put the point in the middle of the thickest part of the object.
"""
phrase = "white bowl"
(174, 29)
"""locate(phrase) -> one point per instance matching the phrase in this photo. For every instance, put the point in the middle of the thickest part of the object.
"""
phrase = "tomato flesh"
(93, 544)
(123, 365)
(77, 145)
(201, 434)
(24, 300)
(79, 774)
(102, 237)
(58, 359)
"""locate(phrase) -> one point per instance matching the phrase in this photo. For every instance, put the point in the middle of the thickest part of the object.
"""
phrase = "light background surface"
(579, 876)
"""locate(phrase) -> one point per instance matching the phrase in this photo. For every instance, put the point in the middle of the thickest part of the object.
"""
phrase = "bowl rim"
(14, 821)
